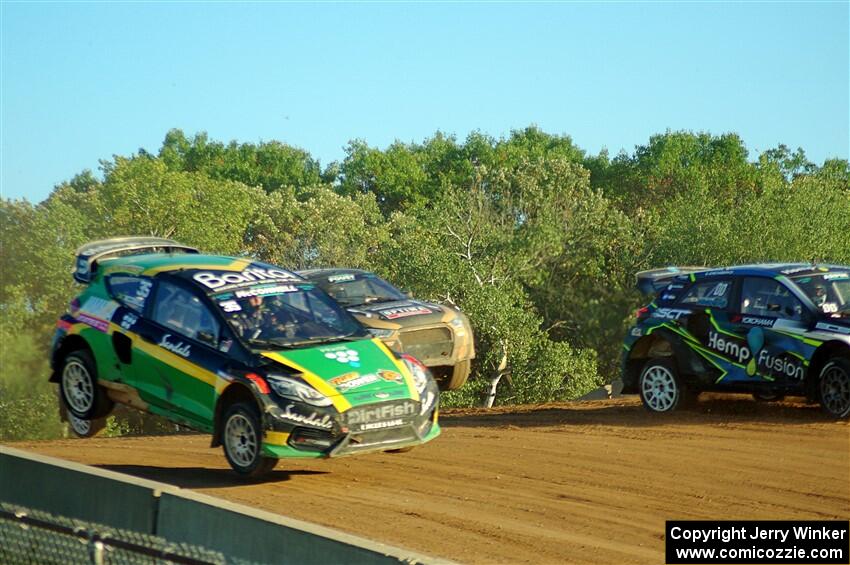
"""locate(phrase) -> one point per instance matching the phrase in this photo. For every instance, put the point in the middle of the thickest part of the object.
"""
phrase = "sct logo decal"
(670, 313)
(346, 356)
(249, 276)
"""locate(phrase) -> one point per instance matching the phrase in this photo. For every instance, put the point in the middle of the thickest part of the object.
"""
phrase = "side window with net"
(183, 312)
(713, 294)
(769, 298)
(132, 292)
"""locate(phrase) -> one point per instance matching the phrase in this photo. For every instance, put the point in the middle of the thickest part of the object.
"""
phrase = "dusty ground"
(591, 482)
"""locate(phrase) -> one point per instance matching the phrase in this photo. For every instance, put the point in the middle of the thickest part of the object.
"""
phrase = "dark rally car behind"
(770, 330)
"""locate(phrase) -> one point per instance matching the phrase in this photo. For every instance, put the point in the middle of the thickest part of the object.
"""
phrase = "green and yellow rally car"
(439, 336)
(263, 360)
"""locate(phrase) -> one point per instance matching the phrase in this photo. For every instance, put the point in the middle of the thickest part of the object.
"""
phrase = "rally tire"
(834, 387)
(79, 390)
(80, 428)
(242, 439)
(457, 375)
(660, 387)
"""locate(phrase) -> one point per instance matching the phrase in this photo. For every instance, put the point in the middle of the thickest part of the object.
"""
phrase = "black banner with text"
(762, 542)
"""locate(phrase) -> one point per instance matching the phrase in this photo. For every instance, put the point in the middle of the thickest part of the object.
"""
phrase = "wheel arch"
(68, 344)
(235, 392)
(657, 344)
(823, 354)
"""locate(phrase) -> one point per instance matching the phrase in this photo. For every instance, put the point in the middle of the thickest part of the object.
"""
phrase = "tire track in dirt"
(587, 482)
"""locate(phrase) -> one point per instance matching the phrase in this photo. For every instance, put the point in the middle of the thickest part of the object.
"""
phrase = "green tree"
(270, 165)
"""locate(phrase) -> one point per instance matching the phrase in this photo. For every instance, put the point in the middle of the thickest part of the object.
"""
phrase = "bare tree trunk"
(501, 371)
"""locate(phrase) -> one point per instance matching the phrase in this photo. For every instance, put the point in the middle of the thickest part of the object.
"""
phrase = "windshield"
(355, 289)
(286, 315)
(829, 291)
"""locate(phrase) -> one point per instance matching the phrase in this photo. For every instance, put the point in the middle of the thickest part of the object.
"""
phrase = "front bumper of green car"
(311, 442)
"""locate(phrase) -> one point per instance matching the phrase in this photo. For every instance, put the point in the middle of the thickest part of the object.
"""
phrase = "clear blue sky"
(84, 81)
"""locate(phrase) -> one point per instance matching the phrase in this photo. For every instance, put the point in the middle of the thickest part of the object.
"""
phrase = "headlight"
(296, 390)
(417, 370)
(459, 326)
(380, 333)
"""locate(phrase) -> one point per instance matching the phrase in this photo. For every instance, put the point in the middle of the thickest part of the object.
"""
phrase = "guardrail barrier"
(74, 508)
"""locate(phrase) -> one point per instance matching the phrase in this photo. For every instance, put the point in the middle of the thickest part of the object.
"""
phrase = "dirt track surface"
(589, 482)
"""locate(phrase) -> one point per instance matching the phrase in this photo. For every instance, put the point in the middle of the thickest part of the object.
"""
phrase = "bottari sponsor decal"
(250, 276)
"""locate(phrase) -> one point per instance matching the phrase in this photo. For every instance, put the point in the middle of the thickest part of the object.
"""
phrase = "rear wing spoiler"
(652, 281)
(89, 254)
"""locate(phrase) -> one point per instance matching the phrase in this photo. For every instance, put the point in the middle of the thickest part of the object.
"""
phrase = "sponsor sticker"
(97, 312)
(128, 321)
(390, 376)
(764, 362)
(381, 413)
(830, 308)
(832, 328)
(179, 348)
(756, 321)
(311, 419)
(263, 291)
(797, 270)
(221, 280)
(230, 306)
(341, 278)
(381, 425)
(342, 355)
(669, 313)
(353, 380)
(404, 312)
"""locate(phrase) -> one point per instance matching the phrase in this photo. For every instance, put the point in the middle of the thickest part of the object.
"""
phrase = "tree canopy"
(537, 241)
